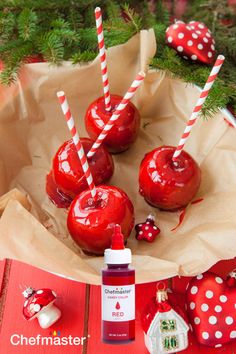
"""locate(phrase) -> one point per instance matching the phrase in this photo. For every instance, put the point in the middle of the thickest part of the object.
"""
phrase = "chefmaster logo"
(55, 338)
(118, 291)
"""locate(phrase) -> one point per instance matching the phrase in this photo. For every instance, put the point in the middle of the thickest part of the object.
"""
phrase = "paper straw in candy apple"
(95, 211)
(67, 178)
(102, 114)
(91, 224)
(169, 177)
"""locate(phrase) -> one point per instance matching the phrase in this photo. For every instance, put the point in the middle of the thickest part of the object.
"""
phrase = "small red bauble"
(68, 176)
(166, 185)
(124, 132)
(211, 309)
(147, 230)
(91, 224)
(192, 41)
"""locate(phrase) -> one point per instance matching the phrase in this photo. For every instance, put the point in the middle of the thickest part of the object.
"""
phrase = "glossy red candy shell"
(125, 130)
(91, 226)
(163, 184)
(67, 169)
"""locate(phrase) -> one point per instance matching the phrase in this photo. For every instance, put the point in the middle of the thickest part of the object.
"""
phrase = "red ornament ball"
(192, 41)
(211, 309)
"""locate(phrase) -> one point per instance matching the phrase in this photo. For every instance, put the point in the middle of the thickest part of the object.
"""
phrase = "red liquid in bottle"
(118, 293)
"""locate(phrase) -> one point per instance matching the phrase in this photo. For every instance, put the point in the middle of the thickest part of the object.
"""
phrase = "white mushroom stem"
(48, 315)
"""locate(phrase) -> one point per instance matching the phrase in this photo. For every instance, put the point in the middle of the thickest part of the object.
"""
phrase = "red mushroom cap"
(39, 299)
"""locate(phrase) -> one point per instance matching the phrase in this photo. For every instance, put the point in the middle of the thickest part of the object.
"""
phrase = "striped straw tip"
(221, 57)
(142, 73)
(97, 9)
(60, 93)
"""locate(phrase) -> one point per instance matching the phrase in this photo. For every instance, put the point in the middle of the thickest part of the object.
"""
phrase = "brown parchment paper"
(32, 128)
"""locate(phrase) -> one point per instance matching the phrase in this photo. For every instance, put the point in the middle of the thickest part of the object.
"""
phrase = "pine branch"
(65, 29)
(9, 73)
(7, 25)
(27, 24)
(88, 38)
(83, 56)
(51, 47)
(113, 10)
(134, 19)
(162, 14)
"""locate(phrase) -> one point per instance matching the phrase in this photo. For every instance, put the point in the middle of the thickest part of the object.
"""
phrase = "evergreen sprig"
(27, 24)
(65, 30)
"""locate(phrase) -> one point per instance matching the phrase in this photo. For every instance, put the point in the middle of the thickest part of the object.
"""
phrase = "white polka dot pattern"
(36, 308)
(212, 320)
(233, 334)
(199, 276)
(218, 308)
(218, 334)
(229, 320)
(194, 290)
(192, 41)
(209, 294)
(223, 298)
(205, 335)
(219, 280)
(211, 309)
(204, 307)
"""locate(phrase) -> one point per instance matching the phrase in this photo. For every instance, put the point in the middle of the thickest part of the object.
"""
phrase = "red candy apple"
(167, 185)
(91, 224)
(125, 130)
(56, 196)
(67, 178)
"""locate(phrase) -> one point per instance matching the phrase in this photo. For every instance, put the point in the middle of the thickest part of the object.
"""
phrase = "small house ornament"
(165, 331)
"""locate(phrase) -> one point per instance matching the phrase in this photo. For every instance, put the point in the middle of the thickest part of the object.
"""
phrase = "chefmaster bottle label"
(118, 292)
(118, 303)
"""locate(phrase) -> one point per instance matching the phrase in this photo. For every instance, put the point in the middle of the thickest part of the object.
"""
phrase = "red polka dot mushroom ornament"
(40, 304)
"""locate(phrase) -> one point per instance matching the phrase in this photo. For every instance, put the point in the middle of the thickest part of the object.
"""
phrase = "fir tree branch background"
(58, 30)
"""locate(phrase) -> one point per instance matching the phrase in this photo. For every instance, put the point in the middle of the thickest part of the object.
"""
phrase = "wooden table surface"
(81, 312)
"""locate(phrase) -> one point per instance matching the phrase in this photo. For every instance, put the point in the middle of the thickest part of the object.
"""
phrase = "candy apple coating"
(67, 170)
(91, 224)
(124, 132)
(56, 196)
(167, 185)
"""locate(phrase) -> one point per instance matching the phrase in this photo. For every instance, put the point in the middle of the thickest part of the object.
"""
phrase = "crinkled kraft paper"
(32, 128)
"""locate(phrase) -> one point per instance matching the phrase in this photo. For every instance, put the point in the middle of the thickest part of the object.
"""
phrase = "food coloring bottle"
(118, 293)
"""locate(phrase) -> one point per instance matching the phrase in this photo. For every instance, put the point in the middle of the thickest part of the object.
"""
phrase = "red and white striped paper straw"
(125, 100)
(76, 139)
(103, 60)
(210, 81)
